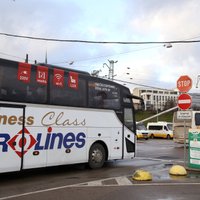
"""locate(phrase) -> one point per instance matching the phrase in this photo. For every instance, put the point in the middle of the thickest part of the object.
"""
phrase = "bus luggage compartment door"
(11, 126)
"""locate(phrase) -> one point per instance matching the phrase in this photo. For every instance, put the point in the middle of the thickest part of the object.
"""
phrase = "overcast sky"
(107, 20)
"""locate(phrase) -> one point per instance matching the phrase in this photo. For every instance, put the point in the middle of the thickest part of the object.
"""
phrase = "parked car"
(160, 130)
(141, 131)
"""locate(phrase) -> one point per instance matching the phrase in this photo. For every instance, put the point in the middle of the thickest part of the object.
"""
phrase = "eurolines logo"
(47, 141)
(16, 142)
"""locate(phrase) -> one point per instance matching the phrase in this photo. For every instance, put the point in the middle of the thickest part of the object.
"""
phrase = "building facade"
(156, 99)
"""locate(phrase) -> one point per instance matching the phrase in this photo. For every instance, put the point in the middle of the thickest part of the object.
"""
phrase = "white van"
(160, 130)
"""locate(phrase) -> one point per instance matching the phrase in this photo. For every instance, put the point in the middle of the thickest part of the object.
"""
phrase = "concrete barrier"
(177, 170)
(142, 175)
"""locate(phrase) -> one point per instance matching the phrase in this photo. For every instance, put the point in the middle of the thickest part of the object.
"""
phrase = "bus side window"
(3, 92)
(102, 95)
(68, 96)
(11, 88)
(100, 99)
(35, 92)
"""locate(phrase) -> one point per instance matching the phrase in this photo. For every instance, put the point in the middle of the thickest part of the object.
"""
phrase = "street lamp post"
(168, 45)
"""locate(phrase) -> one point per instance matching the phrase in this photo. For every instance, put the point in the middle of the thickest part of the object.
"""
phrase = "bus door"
(11, 134)
(129, 133)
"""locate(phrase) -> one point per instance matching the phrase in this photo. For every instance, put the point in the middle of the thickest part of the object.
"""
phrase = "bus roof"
(65, 68)
(50, 66)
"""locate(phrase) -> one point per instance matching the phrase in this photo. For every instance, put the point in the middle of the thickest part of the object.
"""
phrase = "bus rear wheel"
(97, 156)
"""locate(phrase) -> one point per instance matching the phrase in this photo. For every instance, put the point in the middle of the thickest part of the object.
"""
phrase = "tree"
(169, 104)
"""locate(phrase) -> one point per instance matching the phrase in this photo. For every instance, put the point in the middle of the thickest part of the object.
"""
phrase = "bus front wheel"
(97, 156)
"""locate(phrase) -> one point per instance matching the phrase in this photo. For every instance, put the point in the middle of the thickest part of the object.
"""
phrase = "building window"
(148, 96)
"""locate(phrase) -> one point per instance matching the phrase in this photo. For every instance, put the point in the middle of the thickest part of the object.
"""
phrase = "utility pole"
(46, 58)
(110, 68)
(198, 79)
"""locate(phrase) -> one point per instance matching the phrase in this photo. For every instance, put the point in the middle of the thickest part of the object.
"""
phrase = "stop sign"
(184, 101)
(184, 83)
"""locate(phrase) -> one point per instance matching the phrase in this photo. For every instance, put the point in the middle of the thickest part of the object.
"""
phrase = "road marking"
(109, 182)
(97, 183)
(121, 181)
(92, 183)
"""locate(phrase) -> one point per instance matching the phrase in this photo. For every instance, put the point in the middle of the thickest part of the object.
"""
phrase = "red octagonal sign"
(184, 83)
(184, 101)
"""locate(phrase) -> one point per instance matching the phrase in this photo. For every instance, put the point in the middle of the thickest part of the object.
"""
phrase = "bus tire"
(97, 156)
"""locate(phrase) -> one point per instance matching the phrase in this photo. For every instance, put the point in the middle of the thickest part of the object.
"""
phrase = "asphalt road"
(114, 181)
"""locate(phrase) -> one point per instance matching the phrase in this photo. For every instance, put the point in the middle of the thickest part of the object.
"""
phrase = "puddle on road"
(193, 175)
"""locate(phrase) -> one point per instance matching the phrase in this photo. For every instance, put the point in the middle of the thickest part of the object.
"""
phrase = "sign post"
(184, 84)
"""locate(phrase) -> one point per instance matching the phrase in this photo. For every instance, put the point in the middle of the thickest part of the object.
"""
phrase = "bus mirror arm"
(139, 98)
(130, 96)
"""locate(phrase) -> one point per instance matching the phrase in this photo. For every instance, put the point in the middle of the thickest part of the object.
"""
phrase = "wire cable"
(98, 42)
(143, 85)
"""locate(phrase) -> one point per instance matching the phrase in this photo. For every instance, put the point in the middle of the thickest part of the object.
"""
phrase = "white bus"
(56, 116)
(178, 126)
